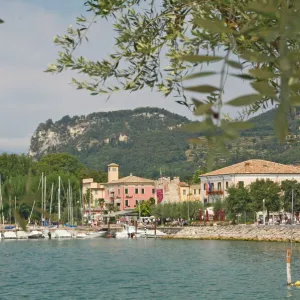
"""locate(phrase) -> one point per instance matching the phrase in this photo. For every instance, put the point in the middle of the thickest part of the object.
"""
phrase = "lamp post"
(292, 218)
(264, 219)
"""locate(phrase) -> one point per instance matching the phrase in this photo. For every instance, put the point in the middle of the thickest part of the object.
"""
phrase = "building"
(169, 189)
(189, 192)
(214, 184)
(125, 193)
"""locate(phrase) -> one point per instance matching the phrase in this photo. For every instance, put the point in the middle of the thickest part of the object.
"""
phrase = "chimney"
(247, 167)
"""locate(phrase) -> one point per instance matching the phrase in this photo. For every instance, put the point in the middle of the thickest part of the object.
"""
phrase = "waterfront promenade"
(274, 233)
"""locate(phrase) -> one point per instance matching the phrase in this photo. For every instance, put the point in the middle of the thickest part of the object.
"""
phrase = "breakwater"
(240, 232)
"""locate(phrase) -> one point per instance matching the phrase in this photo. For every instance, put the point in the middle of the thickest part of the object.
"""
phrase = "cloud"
(28, 96)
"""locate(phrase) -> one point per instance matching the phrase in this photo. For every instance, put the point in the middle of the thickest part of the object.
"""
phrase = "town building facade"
(125, 193)
(214, 185)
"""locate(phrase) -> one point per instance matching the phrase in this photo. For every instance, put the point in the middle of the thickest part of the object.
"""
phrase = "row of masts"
(43, 187)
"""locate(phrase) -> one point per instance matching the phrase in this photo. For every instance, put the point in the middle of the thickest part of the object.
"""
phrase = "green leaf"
(234, 64)
(265, 9)
(240, 125)
(198, 75)
(281, 123)
(1, 21)
(268, 34)
(202, 109)
(295, 100)
(245, 100)
(256, 57)
(214, 26)
(197, 127)
(243, 76)
(264, 88)
(201, 58)
(206, 89)
(261, 73)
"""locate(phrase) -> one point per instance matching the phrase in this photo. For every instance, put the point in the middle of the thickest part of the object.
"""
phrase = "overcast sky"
(28, 96)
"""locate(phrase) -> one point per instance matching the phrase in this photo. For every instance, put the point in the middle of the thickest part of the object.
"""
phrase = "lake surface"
(145, 269)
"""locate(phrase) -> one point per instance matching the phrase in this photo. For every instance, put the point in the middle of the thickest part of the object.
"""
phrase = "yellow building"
(189, 192)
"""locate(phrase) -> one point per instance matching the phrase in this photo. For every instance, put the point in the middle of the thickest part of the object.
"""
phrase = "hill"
(142, 141)
(145, 140)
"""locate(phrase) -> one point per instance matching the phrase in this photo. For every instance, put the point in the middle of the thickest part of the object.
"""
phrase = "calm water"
(145, 269)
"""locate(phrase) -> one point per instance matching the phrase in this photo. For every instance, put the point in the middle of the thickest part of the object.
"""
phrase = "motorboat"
(81, 235)
(128, 232)
(22, 235)
(61, 234)
(35, 234)
(9, 235)
(95, 234)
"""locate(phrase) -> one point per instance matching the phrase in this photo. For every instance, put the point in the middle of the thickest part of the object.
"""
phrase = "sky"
(28, 96)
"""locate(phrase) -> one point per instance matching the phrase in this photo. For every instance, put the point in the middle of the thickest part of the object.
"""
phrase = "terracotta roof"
(183, 184)
(255, 166)
(132, 179)
(113, 165)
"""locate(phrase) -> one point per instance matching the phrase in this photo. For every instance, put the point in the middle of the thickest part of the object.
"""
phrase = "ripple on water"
(145, 269)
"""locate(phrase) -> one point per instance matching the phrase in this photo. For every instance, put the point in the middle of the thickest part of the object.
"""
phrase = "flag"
(159, 195)
(208, 187)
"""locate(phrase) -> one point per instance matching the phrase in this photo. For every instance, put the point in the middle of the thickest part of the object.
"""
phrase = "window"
(204, 186)
(153, 191)
(219, 186)
(126, 202)
(212, 186)
(226, 184)
(199, 191)
(195, 191)
(114, 169)
(241, 184)
(96, 192)
(136, 191)
(126, 191)
(118, 191)
(184, 192)
(136, 202)
(143, 191)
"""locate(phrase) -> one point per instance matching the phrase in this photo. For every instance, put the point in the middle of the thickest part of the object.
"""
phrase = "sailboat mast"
(58, 198)
(1, 201)
(42, 205)
(51, 199)
(45, 193)
(16, 211)
(31, 212)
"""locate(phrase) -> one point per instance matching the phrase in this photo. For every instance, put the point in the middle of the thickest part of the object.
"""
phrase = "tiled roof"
(255, 166)
(132, 179)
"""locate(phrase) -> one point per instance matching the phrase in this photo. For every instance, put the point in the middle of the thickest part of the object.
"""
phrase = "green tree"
(98, 176)
(263, 34)
(287, 186)
(238, 201)
(266, 190)
(60, 162)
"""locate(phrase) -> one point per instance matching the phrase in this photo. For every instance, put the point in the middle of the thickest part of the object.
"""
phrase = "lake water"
(145, 269)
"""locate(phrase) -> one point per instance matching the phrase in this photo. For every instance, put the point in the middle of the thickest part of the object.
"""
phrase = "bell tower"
(112, 172)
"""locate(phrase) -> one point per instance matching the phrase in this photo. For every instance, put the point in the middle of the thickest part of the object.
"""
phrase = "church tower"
(113, 172)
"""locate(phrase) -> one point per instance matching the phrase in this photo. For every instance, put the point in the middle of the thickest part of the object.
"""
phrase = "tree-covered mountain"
(146, 140)
(142, 141)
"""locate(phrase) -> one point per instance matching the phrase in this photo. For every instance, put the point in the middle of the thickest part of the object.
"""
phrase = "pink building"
(123, 192)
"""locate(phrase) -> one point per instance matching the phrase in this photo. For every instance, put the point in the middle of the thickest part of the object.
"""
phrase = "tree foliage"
(256, 41)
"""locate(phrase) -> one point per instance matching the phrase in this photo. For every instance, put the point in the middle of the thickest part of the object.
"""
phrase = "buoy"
(297, 283)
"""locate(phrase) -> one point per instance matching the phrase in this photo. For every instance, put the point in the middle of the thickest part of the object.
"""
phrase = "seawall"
(275, 233)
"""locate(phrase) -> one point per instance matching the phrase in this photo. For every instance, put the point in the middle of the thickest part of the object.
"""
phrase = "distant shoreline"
(257, 233)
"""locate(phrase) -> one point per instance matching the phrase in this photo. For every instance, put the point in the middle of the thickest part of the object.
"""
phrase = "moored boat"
(9, 235)
(35, 234)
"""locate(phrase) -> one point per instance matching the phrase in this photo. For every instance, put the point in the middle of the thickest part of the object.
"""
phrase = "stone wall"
(240, 232)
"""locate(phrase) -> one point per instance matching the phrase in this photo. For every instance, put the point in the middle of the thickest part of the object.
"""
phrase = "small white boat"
(61, 234)
(81, 235)
(96, 234)
(22, 235)
(35, 234)
(128, 232)
(9, 235)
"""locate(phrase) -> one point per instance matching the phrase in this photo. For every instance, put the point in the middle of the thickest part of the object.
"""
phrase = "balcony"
(217, 192)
